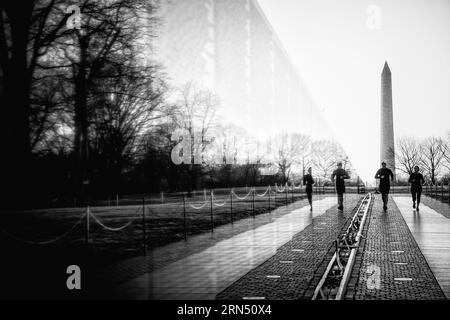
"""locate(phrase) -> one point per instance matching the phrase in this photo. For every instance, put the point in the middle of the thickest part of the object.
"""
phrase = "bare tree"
(408, 154)
(433, 156)
(27, 31)
(196, 114)
(128, 106)
(289, 150)
(103, 49)
(325, 154)
(446, 152)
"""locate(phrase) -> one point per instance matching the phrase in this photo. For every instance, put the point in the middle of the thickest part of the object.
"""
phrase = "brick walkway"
(287, 274)
(392, 254)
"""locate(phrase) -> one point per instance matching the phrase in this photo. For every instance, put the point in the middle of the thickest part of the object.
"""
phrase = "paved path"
(393, 266)
(431, 231)
(288, 275)
(204, 274)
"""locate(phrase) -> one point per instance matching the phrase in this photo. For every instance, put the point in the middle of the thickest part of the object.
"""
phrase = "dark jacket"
(308, 181)
(416, 180)
(385, 175)
(340, 175)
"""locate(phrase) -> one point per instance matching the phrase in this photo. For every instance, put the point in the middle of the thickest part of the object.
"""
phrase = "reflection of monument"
(387, 151)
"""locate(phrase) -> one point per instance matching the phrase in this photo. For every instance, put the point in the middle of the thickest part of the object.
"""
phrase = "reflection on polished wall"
(230, 47)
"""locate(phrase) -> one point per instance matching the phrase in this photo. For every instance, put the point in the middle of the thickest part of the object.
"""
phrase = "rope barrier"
(212, 198)
(299, 186)
(264, 194)
(217, 204)
(16, 238)
(278, 189)
(110, 228)
(199, 207)
(242, 198)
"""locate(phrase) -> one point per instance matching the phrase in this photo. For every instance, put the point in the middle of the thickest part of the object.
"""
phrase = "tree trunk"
(15, 105)
(81, 124)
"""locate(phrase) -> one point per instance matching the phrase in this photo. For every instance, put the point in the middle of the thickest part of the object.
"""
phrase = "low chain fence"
(147, 222)
(145, 218)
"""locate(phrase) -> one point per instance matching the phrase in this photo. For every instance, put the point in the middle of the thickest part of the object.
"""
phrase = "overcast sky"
(339, 48)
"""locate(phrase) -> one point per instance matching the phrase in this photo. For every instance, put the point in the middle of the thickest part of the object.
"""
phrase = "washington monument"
(387, 151)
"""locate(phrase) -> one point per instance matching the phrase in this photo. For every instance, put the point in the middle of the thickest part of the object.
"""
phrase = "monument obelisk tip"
(386, 69)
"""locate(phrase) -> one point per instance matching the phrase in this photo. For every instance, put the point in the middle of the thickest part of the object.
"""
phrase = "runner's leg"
(419, 194)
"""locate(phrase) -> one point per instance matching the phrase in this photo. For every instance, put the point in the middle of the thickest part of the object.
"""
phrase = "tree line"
(431, 154)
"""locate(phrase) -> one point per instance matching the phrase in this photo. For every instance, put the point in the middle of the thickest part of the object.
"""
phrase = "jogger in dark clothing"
(385, 175)
(340, 175)
(308, 181)
(416, 180)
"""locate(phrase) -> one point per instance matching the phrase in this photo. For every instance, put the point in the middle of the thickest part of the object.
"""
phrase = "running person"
(385, 175)
(416, 179)
(338, 177)
(308, 181)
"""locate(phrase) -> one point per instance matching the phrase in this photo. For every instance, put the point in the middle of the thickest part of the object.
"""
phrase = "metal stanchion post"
(357, 184)
(231, 205)
(269, 197)
(212, 217)
(184, 216)
(286, 192)
(87, 224)
(162, 196)
(143, 225)
(275, 196)
(253, 202)
(448, 186)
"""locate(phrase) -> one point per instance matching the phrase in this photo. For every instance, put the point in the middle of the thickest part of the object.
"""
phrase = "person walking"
(416, 180)
(308, 181)
(338, 177)
(385, 175)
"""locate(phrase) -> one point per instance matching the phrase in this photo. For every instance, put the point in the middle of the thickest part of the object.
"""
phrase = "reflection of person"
(385, 175)
(340, 175)
(416, 179)
(308, 181)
